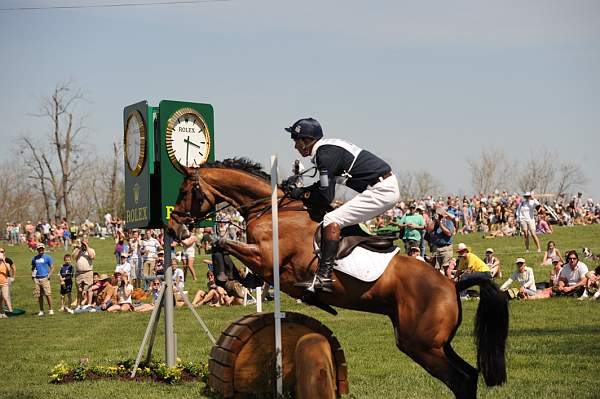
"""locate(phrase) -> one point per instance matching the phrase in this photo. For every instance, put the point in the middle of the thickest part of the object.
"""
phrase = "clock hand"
(191, 143)
(187, 150)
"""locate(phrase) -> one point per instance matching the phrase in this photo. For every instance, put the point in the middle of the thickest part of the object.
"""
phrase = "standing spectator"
(4, 291)
(413, 224)
(84, 269)
(493, 263)
(427, 221)
(188, 255)
(41, 271)
(526, 218)
(124, 267)
(524, 276)
(150, 246)
(108, 223)
(440, 239)
(12, 271)
(571, 280)
(65, 275)
(135, 260)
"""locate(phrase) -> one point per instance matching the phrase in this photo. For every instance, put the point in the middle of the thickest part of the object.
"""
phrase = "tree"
(538, 172)
(66, 140)
(36, 167)
(490, 171)
(569, 177)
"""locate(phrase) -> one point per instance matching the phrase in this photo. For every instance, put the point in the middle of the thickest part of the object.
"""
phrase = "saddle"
(353, 236)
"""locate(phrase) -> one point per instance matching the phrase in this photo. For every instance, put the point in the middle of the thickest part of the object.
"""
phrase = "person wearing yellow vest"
(470, 266)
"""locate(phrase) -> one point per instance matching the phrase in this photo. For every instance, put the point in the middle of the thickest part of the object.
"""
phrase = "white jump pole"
(278, 315)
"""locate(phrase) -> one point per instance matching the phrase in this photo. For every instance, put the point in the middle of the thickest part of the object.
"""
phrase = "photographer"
(84, 274)
(441, 231)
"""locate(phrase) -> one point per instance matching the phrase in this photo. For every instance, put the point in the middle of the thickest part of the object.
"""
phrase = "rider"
(341, 162)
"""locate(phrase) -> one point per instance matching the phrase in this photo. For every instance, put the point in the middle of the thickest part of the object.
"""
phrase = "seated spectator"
(524, 277)
(551, 252)
(178, 283)
(415, 252)
(469, 266)
(493, 263)
(124, 290)
(557, 265)
(572, 280)
(543, 227)
(153, 292)
(214, 295)
(593, 283)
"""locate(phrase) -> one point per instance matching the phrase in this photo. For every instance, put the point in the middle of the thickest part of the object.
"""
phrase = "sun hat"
(519, 260)
(489, 251)
(462, 247)
(160, 252)
(420, 207)
(104, 276)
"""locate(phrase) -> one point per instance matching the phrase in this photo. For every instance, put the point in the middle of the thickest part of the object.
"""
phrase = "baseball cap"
(420, 207)
(527, 194)
(519, 260)
(489, 251)
(40, 245)
(104, 276)
(461, 247)
(555, 259)
(124, 254)
(440, 210)
(160, 252)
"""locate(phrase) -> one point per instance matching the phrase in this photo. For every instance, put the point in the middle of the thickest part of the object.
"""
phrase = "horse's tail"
(491, 329)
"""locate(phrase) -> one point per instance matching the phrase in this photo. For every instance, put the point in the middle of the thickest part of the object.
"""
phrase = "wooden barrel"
(242, 362)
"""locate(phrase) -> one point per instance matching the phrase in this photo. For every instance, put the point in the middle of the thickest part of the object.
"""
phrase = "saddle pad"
(365, 265)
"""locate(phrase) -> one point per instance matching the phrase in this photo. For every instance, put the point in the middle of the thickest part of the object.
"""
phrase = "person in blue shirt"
(66, 284)
(440, 239)
(42, 269)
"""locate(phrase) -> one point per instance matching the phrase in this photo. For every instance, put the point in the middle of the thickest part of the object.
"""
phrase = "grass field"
(553, 348)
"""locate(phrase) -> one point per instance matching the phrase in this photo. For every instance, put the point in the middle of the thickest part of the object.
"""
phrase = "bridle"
(194, 216)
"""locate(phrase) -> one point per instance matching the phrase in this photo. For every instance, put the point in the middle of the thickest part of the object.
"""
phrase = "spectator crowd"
(427, 227)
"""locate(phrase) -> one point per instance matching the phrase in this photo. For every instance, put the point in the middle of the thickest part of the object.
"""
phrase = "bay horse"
(423, 306)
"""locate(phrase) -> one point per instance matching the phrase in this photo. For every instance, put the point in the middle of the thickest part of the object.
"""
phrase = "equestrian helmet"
(306, 127)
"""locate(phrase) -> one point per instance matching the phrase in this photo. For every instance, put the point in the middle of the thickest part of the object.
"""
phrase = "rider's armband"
(323, 179)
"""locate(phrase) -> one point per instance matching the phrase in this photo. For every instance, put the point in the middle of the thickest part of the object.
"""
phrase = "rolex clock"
(135, 143)
(187, 139)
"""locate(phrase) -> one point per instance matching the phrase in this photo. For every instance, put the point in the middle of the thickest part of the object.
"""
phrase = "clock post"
(160, 143)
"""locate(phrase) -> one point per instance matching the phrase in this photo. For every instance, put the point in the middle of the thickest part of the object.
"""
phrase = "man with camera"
(441, 231)
(84, 269)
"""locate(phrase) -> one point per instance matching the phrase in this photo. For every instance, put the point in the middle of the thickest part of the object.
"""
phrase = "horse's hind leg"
(442, 363)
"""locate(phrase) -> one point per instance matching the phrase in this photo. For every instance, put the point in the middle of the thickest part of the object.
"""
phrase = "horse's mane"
(241, 163)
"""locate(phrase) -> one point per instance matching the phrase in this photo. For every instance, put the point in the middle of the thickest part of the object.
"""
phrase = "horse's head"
(194, 202)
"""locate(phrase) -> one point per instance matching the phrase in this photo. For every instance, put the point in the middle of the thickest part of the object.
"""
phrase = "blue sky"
(426, 85)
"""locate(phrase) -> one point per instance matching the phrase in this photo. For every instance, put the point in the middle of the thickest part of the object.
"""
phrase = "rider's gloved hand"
(297, 193)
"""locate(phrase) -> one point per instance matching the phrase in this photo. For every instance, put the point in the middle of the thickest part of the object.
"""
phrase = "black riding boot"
(322, 280)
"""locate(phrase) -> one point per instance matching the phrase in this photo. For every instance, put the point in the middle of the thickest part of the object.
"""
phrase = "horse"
(424, 307)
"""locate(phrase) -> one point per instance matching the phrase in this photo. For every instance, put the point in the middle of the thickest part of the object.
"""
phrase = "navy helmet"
(306, 127)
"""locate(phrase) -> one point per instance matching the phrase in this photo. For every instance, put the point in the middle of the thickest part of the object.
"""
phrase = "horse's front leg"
(248, 254)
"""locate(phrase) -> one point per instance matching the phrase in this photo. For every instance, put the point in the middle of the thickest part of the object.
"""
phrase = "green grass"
(553, 349)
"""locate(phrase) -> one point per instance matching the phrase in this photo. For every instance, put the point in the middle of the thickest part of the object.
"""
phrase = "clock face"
(188, 139)
(135, 143)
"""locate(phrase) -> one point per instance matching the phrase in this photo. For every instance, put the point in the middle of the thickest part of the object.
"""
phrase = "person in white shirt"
(124, 267)
(572, 280)
(150, 246)
(124, 291)
(526, 218)
(524, 276)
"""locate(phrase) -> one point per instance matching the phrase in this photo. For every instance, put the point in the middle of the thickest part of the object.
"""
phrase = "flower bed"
(159, 371)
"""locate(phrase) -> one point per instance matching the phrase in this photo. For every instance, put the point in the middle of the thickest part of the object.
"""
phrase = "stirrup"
(318, 283)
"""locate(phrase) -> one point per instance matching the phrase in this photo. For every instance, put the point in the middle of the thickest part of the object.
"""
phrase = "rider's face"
(302, 146)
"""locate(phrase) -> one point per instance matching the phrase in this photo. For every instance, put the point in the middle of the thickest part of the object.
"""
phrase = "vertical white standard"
(275, 220)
